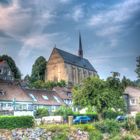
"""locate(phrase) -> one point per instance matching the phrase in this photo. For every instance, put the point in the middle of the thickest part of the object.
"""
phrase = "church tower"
(80, 51)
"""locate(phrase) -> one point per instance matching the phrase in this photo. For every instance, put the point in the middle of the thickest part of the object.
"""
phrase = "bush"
(129, 124)
(11, 122)
(128, 137)
(110, 114)
(138, 120)
(60, 136)
(41, 112)
(64, 111)
(95, 135)
(85, 127)
(108, 126)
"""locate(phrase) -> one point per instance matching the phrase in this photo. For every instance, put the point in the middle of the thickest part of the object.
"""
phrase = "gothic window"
(0, 71)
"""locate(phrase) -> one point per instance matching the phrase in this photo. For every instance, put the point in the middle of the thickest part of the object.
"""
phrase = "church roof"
(75, 60)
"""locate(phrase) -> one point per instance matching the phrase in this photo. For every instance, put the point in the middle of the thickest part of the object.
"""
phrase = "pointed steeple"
(80, 51)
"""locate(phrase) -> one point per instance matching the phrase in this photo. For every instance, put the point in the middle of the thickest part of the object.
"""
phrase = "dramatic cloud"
(114, 21)
(31, 28)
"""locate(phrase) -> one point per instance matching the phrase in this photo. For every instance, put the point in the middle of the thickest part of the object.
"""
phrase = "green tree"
(64, 111)
(127, 82)
(38, 69)
(12, 65)
(41, 112)
(138, 67)
(99, 93)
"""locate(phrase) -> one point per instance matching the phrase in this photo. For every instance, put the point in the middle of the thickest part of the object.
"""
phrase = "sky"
(110, 31)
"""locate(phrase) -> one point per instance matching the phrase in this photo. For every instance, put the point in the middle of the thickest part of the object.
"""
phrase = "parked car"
(121, 118)
(82, 119)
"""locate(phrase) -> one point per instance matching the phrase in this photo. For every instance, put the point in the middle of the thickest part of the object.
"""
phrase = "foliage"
(39, 84)
(129, 124)
(110, 114)
(107, 126)
(38, 69)
(85, 127)
(12, 65)
(138, 120)
(128, 137)
(138, 67)
(64, 111)
(95, 135)
(60, 136)
(11, 122)
(127, 82)
(56, 128)
(99, 93)
(41, 112)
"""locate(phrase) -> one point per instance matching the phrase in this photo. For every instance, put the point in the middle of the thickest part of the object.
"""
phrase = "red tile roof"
(63, 92)
(38, 94)
(12, 91)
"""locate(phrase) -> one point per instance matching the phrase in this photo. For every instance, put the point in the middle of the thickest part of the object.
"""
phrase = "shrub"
(95, 135)
(108, 126)
(41, 112)
(128, 137)
(11, 122)
(85, 127)
(64, 111)
(60, 136)
(129, 124)
(138, 120)
(110, 114)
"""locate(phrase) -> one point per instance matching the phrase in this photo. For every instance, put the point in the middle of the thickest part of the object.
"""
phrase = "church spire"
(80, 51)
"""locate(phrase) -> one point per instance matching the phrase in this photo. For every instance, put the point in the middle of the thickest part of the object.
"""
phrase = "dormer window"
(0, 71)
(2, 93)
(45, 97)
(56, 98)
(33, 97)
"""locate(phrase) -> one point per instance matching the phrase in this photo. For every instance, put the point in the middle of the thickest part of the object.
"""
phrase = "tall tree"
(127, 82)
(99, 93)
(12, 65)
(38, 69)
(138, 67)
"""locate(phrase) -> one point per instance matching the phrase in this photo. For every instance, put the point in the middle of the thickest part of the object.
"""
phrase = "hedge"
(11, 122)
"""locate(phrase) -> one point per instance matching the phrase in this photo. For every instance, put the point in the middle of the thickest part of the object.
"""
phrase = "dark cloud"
(5, 2)
(4, 35)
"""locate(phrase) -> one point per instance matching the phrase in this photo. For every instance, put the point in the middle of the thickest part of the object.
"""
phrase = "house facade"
(44, 99)
(13, 100)
(5, 71)
(65, 94)
(71, 68)
(132, 98)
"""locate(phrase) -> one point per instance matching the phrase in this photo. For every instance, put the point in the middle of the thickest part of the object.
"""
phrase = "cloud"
(5, 35)
(112, 22)
(78, 13)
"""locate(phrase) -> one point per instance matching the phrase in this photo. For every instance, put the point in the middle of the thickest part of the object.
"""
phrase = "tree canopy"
(12, 65)
(38, 69)
(99, 93)
(138, 67)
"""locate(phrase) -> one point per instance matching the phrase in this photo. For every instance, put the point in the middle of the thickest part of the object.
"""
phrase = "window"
(33, 97)
(1, 71)
(45, 97)
(56, 98)
(133, 101)
(1, 92)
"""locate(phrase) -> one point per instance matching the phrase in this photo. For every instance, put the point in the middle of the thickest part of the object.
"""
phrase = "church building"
(71, 68)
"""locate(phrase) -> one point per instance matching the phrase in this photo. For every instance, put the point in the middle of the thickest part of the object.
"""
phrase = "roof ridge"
(71, 53)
